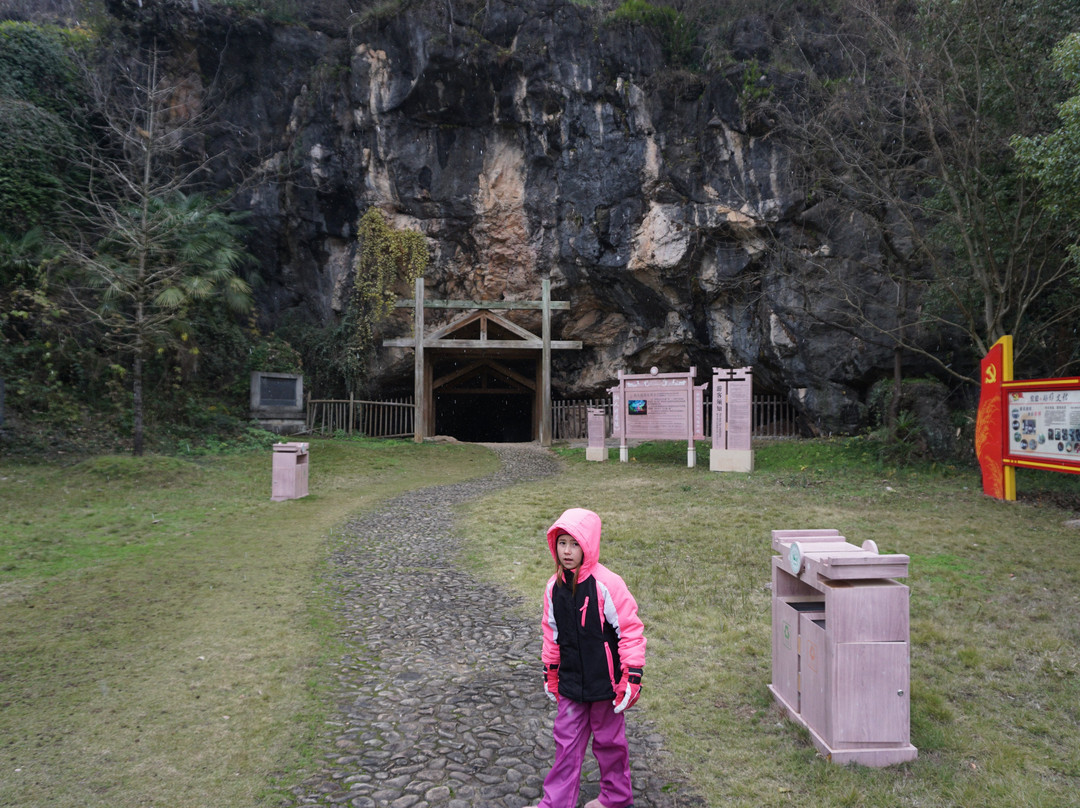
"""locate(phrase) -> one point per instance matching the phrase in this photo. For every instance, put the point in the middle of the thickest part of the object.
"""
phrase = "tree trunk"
(898, 356)
(897, 390)
(137, 406)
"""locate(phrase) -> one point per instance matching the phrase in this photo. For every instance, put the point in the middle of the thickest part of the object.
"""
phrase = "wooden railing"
(373, 419)
(772, 417)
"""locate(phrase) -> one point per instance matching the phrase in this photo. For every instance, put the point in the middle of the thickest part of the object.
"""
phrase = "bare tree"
(145, 249)
(913, 139)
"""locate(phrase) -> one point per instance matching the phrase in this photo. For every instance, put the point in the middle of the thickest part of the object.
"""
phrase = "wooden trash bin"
(290, 471)
(841, 645)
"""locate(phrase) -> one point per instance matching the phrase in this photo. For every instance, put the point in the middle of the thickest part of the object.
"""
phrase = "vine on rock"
(386, 257)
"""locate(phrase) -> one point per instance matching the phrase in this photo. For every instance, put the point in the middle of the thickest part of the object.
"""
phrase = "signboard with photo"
(1026, 424)
(658, 406)
(1043, 423)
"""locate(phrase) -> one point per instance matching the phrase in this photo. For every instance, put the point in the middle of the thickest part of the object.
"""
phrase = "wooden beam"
(457, 374)
(460, 321)
(485, 319)
(533, 344)
(513, 328)
(528, 384)
(429, 403)
(496, 368)
(485, 391)
(561, 305)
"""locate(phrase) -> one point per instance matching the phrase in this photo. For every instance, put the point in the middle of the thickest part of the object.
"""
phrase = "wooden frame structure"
(491, 337)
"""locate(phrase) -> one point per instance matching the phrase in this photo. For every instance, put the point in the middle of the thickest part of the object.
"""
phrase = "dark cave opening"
(485, 417)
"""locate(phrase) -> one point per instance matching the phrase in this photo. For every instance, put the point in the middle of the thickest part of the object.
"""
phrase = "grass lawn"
(995, 615)
(162, 623)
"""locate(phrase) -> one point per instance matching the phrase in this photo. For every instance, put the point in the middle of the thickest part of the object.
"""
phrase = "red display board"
(1029, 424)
(1042, 428)
(996, 368)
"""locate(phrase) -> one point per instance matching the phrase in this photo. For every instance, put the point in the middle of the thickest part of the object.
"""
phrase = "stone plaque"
(277, 391)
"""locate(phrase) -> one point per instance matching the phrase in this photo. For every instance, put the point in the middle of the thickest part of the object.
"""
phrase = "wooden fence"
(375, 419)
(772, 417)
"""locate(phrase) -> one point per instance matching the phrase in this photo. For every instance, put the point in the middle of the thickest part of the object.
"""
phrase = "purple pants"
(575, 721)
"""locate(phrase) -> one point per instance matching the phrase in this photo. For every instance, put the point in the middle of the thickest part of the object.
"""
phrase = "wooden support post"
(420, 390)
(691, 449)
(545, 403)
(429, 397)
(443, 339)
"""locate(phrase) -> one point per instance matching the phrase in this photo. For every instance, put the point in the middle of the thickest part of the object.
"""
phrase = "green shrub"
(38, 147)
(35, 67)
(41, 102)
(924, 426)
(675, 33)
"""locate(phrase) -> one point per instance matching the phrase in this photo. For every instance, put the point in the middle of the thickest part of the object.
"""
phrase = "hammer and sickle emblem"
(991, 374)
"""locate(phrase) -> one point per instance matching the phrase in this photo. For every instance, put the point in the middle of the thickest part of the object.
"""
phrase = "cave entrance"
(485, 400)
(482, 377)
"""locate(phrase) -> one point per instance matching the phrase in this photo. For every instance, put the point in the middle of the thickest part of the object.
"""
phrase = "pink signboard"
(658, 406)
(596, 427)
(657, 409)
(732, 419)
(732, 407)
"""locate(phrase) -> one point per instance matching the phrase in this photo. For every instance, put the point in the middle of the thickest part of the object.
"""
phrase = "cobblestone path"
(439, 698)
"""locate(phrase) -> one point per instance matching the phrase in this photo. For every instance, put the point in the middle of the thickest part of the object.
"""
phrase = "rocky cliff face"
(532, 141)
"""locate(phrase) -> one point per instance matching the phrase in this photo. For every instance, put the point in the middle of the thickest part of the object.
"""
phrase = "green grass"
(162, 624)
(995, 615)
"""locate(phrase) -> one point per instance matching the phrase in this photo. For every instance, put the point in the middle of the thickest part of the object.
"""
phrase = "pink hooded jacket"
(614, 605)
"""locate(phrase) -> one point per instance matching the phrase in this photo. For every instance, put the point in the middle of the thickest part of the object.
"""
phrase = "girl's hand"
(628, 689)
(551, 681)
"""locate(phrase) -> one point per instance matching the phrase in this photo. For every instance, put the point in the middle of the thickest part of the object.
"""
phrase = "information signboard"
(1043, 424)
(1031, 424)
(658, 406)
(732, 420)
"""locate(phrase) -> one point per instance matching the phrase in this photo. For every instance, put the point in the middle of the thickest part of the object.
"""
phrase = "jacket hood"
(584, 526)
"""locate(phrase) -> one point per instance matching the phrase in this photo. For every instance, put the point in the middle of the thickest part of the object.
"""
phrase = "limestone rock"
(532, 141)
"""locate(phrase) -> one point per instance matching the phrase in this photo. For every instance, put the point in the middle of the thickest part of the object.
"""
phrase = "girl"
(593, 655)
